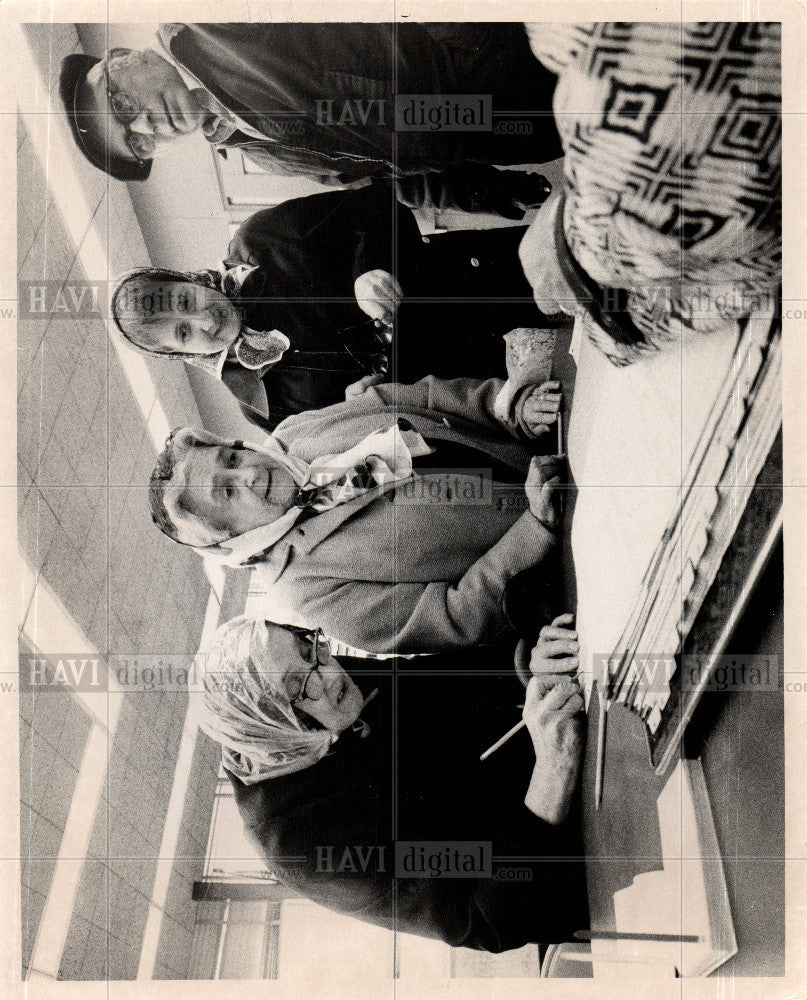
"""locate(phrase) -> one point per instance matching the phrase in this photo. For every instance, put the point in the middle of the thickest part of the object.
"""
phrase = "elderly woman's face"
(329, 696)
(229, 489)
(177, 316)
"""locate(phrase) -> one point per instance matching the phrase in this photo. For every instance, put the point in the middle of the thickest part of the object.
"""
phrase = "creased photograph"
(405, 542)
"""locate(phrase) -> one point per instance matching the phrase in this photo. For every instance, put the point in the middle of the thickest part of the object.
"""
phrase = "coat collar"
(303, 538)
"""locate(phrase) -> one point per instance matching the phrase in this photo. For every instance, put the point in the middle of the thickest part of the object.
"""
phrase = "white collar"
(213, 364)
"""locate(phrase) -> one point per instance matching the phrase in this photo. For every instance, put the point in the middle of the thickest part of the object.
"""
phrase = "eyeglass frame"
(117, 114)
(318, 639)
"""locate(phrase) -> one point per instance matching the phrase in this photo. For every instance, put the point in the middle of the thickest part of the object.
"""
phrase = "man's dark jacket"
(280, 78)
(417, 777)
(462, 291)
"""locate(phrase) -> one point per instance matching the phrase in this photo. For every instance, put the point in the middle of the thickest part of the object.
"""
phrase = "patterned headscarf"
(254, 349)
(382, 458)
(247, 709)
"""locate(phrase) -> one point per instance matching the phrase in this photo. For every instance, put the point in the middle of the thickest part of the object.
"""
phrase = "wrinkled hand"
(540, 408)
(551, 715)
(543, 487)
(556, 654)
(379, 294)
(363, 384)
(539, 253)
(555, 724)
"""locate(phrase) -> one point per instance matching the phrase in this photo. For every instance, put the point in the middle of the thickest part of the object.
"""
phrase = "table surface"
(739, 738)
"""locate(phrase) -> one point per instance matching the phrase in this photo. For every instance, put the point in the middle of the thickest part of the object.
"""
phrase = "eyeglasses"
(310, 687)
(127, 109)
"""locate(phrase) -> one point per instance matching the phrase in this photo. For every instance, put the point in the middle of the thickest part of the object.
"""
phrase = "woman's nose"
(248, 477)
(240, 478)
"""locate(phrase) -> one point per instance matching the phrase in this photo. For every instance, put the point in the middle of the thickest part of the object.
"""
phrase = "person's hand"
(555, 655)
(553, 718)
(363, 384)
(543, 489)
(383, 333)
(238, 252)
(540, 251)
(540, 408)
(379, 294)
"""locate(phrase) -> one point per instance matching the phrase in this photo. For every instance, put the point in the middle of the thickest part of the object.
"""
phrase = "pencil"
(632, 936)
(503, 740)
(599, 764)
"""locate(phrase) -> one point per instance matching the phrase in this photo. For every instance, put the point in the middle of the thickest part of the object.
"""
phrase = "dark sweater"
(417, 777)
(461, 292)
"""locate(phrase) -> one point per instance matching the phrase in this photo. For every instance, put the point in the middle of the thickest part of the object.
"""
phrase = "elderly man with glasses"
(320, 100)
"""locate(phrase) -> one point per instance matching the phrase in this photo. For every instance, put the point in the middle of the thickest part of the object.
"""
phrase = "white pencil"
(503, 740)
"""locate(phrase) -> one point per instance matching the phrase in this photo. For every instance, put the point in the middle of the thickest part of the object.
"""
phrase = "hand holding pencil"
(554, 659)
(552, 713)
(544, 490)
(541, 407)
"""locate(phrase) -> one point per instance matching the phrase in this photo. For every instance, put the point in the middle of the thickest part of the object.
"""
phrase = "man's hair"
(178, 445)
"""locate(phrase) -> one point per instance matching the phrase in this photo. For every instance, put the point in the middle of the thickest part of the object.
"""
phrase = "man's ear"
(92, 92)
(94, 75)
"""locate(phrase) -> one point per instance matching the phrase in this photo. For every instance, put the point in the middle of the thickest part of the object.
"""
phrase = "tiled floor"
(85, 454)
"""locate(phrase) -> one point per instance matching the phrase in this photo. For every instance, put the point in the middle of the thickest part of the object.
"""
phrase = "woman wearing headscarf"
(344, 771)
(305, 303)
(277, 355)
